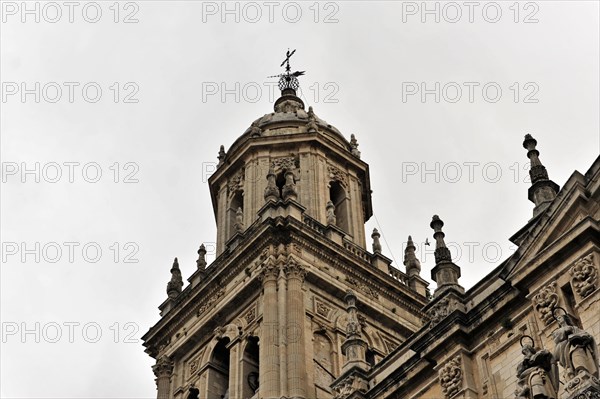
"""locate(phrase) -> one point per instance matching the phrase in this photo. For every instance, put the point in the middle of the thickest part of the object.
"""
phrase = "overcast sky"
(145, 92)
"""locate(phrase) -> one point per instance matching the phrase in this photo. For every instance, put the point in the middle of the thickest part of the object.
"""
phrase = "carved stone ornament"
(288, 106)
(284, 163)
(362, 287)
(584, 276)
(255, 131)
(251, 315)
(347, 386)
(544, 301)
(163, 367)
(322, 309)
(440, 310)
(537, 374)
(311, 125)
(451, 377)
(194, 364)
(210, 302)
(269, 270)
(236, 182)
(577, 353)
(293, 269)
(338, 175)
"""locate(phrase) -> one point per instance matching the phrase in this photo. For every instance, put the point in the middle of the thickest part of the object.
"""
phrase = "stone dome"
(290, 117)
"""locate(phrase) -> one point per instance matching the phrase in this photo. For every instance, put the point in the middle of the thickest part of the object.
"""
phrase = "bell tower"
(291, 154)
(294, 305)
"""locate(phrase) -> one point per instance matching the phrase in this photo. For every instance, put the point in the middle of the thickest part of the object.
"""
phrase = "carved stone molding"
(362, 287)
(210, 302)
(544, 301)
(584, 276)
(451, 377)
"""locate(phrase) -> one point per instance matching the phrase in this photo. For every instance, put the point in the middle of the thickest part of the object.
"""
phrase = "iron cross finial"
(287, 60)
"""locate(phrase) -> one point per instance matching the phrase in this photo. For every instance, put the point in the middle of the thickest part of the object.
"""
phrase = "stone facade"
(295, 305)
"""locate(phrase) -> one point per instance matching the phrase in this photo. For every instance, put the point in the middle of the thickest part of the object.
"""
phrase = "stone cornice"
(218, 272)
(586, 230)
(255, 238)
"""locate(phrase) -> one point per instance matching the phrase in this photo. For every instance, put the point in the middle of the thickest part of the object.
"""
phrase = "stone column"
(269, 335)
(296, 359)
(234, 370)
(163, 369)
(281, 302)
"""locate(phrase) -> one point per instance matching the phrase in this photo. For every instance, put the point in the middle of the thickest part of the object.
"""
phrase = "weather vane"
(288, 80)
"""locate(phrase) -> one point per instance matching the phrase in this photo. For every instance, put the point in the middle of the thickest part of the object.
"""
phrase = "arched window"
(218, 373)
(236, 204)
(250, 368)
(338, 196)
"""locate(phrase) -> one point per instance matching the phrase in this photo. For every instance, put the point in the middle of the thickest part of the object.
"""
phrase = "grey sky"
(175, 54)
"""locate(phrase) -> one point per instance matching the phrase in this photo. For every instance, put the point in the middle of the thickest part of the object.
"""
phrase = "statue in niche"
(537, 373)
(239, 220)
(331, 219)
(575, 350)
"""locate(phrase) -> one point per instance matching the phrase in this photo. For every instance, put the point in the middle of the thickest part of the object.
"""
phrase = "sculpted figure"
(537, 374)
(239, 220)
(576, 349)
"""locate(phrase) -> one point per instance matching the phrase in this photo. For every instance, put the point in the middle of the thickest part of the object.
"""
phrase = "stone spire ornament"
(331, 219)
(289, 189)
(354, 146)
(413, 269)
(174, 286)
(201, 262)
(445, 273)
(354, 346)
(543, 190)
(376, 244)
(221, 156)
(271, 191)
(413, 266)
